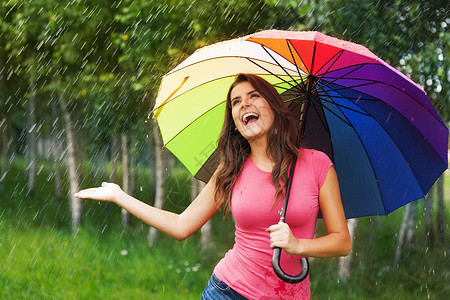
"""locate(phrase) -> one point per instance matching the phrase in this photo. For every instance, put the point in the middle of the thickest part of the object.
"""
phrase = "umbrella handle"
(286, 277)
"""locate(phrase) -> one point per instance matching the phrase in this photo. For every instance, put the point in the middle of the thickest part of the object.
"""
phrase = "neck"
(259, 155)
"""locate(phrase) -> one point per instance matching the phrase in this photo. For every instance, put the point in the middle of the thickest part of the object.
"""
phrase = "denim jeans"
(219, 290)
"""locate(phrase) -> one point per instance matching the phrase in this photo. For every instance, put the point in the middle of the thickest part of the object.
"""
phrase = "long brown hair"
(234, 148)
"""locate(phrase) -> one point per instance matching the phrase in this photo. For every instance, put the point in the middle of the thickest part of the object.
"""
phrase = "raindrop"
(40, 169)
(31, 129)
(1, 179)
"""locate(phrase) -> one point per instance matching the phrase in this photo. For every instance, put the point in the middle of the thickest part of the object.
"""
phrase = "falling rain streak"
(77, 84)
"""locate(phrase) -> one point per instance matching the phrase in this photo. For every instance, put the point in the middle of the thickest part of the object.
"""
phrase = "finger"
(273, 228)
(92, 193)
(277, 244)
(86, 192)
(278, 237)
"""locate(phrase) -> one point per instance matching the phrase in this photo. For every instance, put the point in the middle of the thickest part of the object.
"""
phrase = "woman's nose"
(245, 102)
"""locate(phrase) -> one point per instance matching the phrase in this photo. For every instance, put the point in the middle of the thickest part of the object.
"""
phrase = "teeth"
(248, 115)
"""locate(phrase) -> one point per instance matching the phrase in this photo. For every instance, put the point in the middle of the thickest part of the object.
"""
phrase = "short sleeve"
(322, 164)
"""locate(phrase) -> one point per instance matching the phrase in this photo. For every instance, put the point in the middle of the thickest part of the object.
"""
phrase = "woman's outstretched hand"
(107, 192)
(281, 236)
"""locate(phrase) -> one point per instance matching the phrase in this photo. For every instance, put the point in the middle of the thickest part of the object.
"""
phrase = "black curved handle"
(286, 277)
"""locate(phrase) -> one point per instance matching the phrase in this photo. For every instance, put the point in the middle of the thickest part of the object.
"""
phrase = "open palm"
(107, 192)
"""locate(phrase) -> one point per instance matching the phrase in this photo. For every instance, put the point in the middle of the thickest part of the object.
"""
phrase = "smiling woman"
(257, 147)
(270, 151)
(251, 112)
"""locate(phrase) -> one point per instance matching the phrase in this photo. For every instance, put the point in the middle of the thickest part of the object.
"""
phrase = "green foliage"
(40, 258)
(412, 36)
(106, 59)
(422, 273)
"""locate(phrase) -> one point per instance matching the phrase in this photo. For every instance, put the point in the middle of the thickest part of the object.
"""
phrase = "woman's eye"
(254, 95)
(234, 102)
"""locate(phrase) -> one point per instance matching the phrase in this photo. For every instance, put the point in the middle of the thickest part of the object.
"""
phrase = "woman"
(257, 146)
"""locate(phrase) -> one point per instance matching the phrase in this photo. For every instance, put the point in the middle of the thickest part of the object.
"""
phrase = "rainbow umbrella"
(387, 141)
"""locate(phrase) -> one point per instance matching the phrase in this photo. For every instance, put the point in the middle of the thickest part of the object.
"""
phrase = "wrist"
(300, 247)
(117, 198)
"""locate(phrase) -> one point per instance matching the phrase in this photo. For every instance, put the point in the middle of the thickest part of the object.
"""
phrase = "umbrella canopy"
(387, 141)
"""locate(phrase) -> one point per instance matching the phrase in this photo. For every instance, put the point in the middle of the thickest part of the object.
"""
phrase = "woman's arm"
(178, 226)
(337, 242)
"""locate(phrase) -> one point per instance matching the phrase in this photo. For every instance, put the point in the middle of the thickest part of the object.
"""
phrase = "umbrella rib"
(345, 121)
(289, 100)
(289, 44)
(343, 106)
(392, 140)
(271, 56)
(277, 85)
(338, 56)
(386, 84)
(216, 58)
(354, 98)
(380, 82)
(362, 145)
(342, 76)
(293, 86)
(313, 58)
(350, 86)
(325, 125)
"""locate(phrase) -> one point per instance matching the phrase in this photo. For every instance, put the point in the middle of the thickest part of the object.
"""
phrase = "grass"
(40, 258)
(48, 264)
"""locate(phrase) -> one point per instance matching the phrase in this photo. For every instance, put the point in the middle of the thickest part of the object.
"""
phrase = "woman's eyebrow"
(238, 97)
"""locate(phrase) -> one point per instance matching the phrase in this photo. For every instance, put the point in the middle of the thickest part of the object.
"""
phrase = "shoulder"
(313, 155)
(317, 162)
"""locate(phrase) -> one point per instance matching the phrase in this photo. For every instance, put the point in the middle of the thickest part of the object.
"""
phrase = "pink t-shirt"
(247, 267)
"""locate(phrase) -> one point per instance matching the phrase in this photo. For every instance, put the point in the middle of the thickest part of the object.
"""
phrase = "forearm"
(165, 221)
(331, 245)
(178, 226)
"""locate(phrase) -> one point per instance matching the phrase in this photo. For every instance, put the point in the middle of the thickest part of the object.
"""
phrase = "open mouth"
(250, 118)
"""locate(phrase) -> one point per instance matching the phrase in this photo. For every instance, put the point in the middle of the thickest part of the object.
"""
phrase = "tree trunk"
(407, 230)
(196, 189)
(75, 203)
(133, 166)
(125, 176)
(31, 142)
(113, 170)
(159, 186)
(428, 216)
(346, 261)
(441, 212)
(114, 159)
(411, 228)
(56, 152)
(4, 152)
(57, 155)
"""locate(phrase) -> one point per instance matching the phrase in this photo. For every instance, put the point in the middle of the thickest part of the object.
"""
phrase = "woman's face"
(251, 113)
